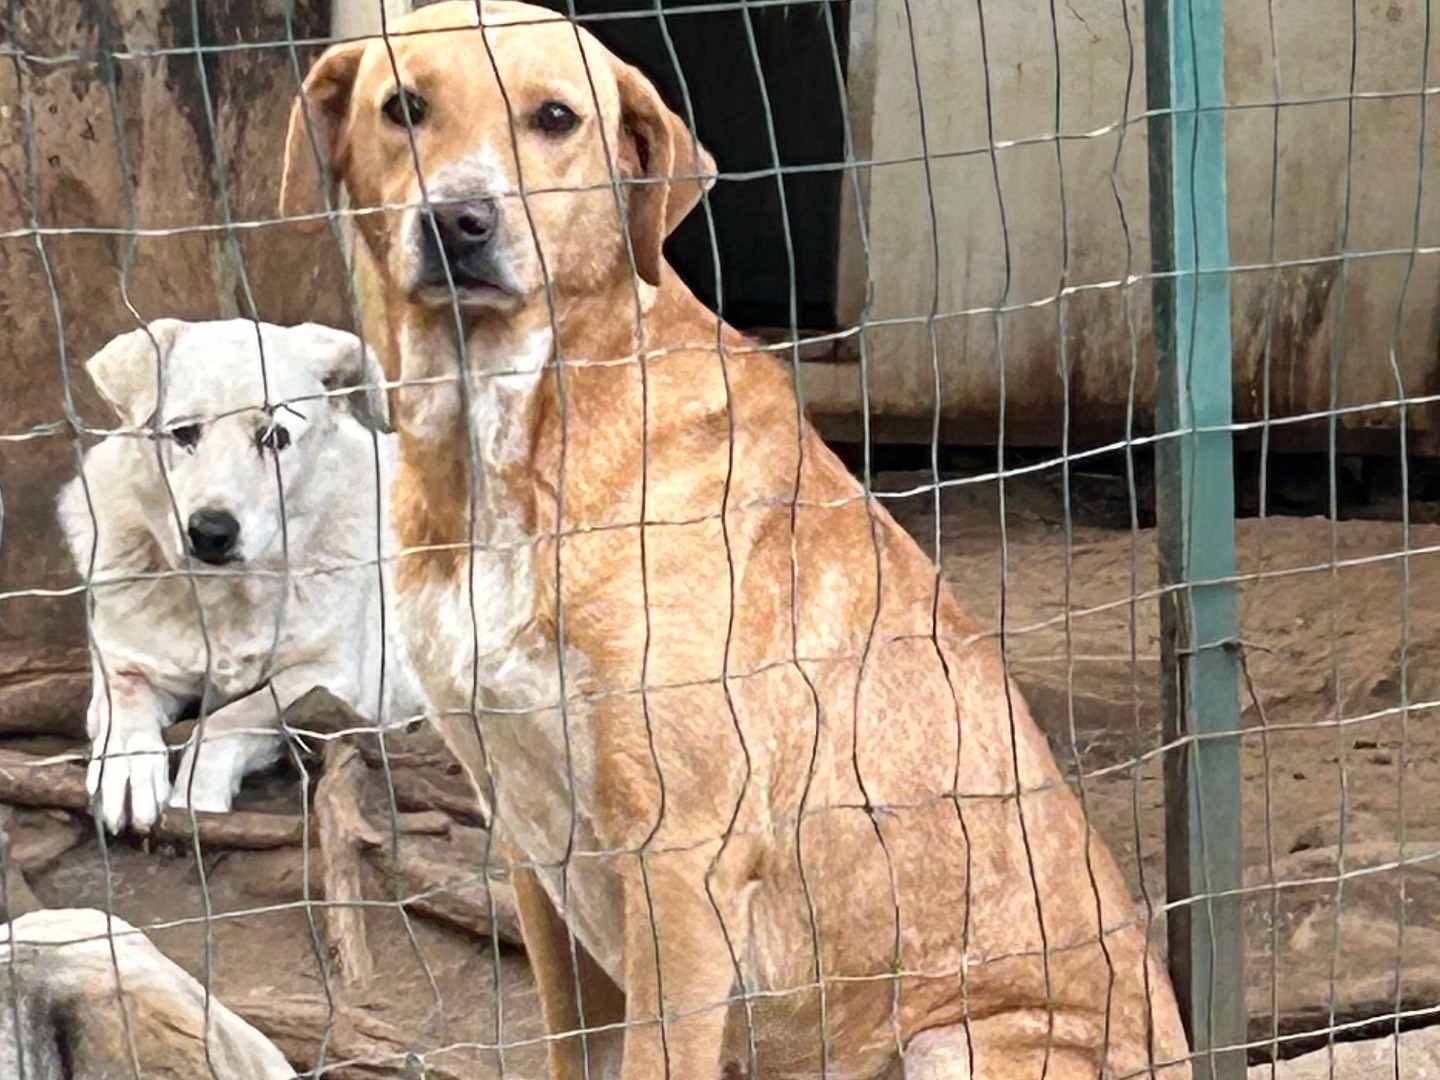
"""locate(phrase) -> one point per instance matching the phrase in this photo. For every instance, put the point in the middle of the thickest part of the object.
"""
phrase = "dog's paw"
(201, 799)
(206, 782)
(134, 769)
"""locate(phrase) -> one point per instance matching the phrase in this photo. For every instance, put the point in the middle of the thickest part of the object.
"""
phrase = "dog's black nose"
(464, 232)
(212, 535)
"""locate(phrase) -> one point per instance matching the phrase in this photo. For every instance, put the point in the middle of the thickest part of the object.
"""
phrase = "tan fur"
(796, 766)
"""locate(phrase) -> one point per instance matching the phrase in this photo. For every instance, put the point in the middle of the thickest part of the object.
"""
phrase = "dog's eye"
(398, 103)
(555, 118)
(272, 437)
(186, 435)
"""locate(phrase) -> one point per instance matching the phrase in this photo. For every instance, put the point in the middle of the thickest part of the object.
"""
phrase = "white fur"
(515, 255)
(468, 642)
(455, 627)
(302, 607)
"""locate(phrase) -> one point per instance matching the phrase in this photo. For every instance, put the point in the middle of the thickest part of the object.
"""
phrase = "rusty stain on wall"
(116, 146)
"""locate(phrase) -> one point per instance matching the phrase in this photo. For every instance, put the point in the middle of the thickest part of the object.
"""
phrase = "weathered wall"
(106, 147)
(1017, 227)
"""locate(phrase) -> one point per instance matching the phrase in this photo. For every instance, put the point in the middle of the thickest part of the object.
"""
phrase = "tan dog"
(768, 774)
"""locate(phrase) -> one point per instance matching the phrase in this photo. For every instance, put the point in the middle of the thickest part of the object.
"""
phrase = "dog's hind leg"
(945, 1053)
(1031, 1044)
(236, 740)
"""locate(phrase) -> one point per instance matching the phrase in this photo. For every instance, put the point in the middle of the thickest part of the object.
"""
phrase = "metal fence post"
(1185, 78)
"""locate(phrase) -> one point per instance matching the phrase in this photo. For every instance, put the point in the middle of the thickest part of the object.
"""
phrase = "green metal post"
(1195, 503)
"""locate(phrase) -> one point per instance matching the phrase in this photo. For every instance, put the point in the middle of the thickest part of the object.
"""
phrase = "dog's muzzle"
(462, 236)
(212, 536)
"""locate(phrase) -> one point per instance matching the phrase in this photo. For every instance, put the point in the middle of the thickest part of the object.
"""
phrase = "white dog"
(237, 536)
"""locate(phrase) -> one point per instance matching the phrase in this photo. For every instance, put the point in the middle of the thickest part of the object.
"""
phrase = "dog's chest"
(477, 638)
(465, 618)
(473, 644)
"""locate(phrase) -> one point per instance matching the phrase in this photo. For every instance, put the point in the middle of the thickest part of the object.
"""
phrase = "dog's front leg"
(562, 966)
(236, 740)
(679, 972)
(128, 759)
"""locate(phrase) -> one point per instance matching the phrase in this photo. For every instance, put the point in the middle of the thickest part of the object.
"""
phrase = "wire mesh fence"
(495, 652)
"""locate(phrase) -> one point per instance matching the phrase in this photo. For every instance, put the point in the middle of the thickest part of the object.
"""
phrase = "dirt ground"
(1339, 633)
(1326, 650)
(1331, 654)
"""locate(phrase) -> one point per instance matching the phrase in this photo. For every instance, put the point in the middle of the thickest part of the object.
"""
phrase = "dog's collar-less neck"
(597, 334)
(598, 327)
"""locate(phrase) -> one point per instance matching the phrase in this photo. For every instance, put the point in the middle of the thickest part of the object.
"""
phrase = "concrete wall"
(1036, 217)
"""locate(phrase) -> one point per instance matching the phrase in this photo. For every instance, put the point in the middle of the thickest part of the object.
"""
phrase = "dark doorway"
(801, 50)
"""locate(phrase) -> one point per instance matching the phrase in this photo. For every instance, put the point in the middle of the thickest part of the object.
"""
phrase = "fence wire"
(273, 802)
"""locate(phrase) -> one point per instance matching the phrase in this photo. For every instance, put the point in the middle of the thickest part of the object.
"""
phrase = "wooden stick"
(238, 830)
(417, 758)
(438, 889)
(44, 691)
(337, 806)
(416, 788)
(59, 784)
(295, 1024)
(28, 780)
(465, 906)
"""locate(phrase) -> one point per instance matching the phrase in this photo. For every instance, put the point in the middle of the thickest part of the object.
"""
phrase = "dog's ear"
(127, 370)
(342, 361)
(314, 144)
(673, 171)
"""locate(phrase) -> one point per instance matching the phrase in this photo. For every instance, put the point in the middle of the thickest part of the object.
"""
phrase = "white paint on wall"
(1004, 231)
(358, 18)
